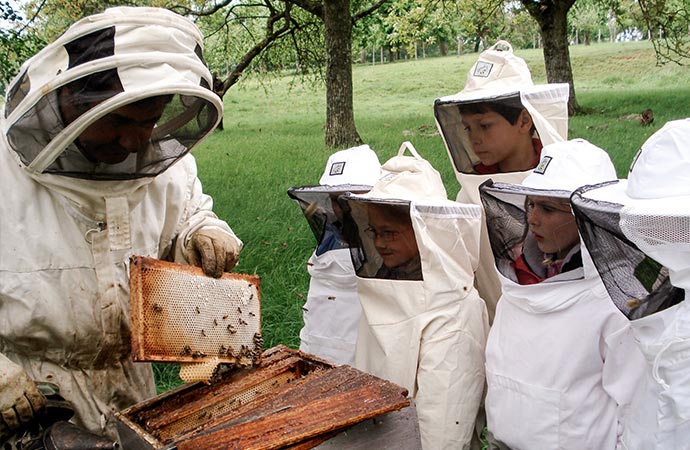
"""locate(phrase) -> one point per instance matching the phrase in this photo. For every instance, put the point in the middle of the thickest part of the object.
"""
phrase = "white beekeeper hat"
(655, 213)
(353, 166)
(566, 166)
(500, 76)
(408, 178)
(659, 177)
(498, 71)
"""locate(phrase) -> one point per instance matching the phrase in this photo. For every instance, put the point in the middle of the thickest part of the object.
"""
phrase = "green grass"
(274, 139)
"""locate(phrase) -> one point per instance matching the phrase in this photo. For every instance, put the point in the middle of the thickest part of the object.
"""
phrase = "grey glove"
(20, 399)
(215, 251)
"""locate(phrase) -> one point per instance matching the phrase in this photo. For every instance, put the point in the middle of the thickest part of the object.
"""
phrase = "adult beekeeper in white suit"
(331, 313)
(638, 233)
(95, 165)
(561, 363)
(423, 324)
(495, 128)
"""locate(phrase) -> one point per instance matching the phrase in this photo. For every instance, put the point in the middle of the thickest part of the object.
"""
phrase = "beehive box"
(288, 400)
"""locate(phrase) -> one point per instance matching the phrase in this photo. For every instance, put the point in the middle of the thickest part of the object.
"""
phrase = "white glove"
(20, 399)
(214, 250)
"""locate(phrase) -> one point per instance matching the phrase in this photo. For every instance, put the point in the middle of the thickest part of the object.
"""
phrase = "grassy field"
(274, 139)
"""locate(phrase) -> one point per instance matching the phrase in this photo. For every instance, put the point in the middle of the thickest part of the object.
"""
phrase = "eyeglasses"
(547, 206)
(385, 235)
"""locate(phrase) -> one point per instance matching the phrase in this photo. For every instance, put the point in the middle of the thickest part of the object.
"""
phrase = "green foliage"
(433, 21)
(17, 42)
(669, 23)
(239, 26)
(522, 31)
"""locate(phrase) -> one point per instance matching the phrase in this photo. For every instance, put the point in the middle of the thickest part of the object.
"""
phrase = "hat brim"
(482, 95)
(617, 193)
(518, 189)
(338, 188)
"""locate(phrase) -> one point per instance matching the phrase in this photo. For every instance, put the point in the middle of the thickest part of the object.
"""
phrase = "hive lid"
(180, 315)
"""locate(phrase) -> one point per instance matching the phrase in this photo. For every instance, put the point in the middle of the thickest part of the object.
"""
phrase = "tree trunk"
(218, 89)
(443, 47)
(552, 19)
(340, 121)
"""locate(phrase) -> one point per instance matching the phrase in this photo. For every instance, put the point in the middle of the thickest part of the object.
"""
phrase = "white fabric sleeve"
(624, 366)
(198, 214)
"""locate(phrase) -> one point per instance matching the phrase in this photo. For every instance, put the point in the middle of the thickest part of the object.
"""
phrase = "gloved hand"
(215, 251)
(20, 399)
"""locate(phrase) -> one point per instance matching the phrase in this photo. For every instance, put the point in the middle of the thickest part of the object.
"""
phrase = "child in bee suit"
(561, 363)
(423, 324)
(332, 311)
(638, 233)
(495, 128)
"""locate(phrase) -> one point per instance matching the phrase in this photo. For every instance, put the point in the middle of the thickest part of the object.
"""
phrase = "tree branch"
(315, 8)
(364, 13)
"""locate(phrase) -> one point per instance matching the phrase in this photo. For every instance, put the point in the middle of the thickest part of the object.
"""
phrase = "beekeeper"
(638, 233)
(96, 133)
(497, 82)
(331, 313)
(561, 363)
(425, 332)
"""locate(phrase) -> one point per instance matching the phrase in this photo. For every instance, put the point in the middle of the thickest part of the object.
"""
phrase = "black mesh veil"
(637, 284)
(516, 251)
(120, 95)
(322, 211)
(506, 220)
(448, 115)
(361, 236)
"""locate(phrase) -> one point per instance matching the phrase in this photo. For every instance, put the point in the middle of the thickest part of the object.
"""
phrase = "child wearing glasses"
(390, 228)
(423, 323)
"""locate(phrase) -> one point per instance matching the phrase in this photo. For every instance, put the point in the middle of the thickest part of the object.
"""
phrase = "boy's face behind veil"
(552, 224)
(496, 141)
(394, 239)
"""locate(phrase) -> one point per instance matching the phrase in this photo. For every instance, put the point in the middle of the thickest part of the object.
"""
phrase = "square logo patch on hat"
(483, 69)
(543, 164)
(337, 168)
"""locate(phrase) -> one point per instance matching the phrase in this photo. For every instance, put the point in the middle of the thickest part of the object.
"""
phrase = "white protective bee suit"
(69, 226)
(638, 232)
(426, 329)
(331, 313)
(497, 76)
(561, 363)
